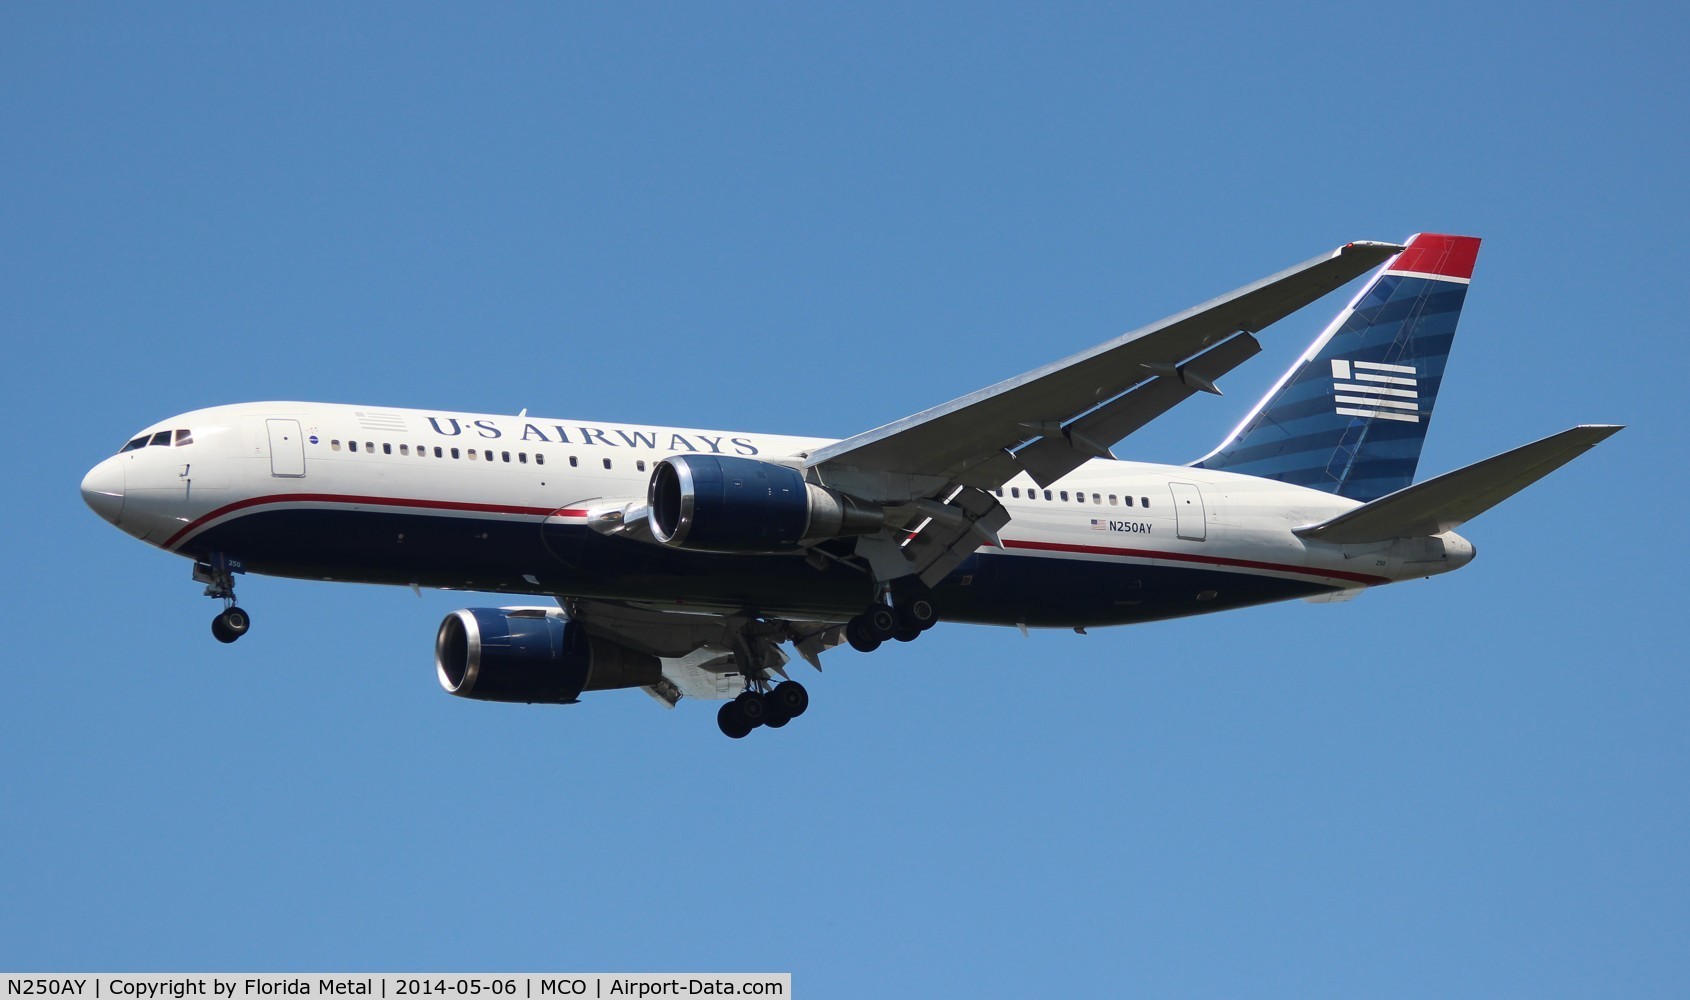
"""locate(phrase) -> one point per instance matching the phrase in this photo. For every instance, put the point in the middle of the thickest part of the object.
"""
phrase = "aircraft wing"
(1074, 408)
(704, 653)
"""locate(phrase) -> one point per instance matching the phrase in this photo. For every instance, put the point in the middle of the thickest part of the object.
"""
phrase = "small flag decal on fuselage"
(1372, 389)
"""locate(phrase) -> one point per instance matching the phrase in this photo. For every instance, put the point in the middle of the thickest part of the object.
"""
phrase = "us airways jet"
(682, 560)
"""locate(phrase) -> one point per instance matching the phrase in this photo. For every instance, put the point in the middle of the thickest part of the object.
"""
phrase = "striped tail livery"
(1351, 415)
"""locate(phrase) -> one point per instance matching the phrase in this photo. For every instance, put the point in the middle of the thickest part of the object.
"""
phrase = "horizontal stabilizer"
(1446, 501)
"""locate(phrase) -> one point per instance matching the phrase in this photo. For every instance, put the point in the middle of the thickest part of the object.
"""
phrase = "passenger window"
(1015, 492)
(404, 449)
(334, 445)
(473, 455)
(162, 437)
(1064, 496)
(386, 449)
(184, 437)
(539, 459)
(1129, 501)
(1144, 501)
(1112, 500)
(572, 462)
(1096, 499)
(505, 456)
(607, 463)
(351, 446)
(454, 453)
(488, 454)
(370, 446)
(1047, 494)
(640, 465)
(437, 452)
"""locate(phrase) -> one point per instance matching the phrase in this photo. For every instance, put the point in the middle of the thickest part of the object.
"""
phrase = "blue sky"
(812, 220)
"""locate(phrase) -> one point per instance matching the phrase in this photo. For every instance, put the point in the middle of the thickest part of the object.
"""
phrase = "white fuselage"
(502, 503)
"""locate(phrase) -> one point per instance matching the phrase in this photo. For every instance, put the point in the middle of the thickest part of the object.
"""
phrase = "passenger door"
(1188, 512)
(287, 448)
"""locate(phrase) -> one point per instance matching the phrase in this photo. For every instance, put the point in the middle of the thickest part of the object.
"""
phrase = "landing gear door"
(287, 448)
(1188, 512)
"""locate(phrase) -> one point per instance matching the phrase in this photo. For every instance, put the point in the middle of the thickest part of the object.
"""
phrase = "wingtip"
(1601, 432)
(1372, 245)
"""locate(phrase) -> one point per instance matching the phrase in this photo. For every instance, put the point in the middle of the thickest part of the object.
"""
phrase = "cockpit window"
(161, 439)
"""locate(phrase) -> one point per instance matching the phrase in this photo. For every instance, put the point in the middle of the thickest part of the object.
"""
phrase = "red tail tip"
(1436, 253)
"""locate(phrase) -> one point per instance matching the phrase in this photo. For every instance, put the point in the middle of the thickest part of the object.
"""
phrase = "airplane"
(680, 560)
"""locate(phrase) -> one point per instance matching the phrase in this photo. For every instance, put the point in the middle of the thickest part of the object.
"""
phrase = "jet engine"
(722, 503)
(532, 655)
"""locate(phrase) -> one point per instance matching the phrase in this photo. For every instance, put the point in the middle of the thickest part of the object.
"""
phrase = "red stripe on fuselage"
(1102, 550)
(337, 498)
(493, 508)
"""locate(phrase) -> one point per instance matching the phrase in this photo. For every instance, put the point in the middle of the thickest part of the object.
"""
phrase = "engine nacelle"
(722, 503)
(532, 655)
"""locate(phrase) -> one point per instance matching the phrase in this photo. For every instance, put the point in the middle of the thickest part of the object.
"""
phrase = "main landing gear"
(219, 583)
(905, 619)
(773, 708)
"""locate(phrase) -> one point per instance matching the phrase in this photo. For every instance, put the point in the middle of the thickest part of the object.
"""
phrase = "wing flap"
(1447, 501)
(704, 655)
(1055, 455)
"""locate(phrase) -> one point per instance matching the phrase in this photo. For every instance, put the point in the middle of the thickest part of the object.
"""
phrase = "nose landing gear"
(218, 575)
(230, 625)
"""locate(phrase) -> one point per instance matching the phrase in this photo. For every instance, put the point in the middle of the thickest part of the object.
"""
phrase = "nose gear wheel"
(219, 582)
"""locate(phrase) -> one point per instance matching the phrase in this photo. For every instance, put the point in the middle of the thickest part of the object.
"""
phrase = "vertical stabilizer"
(1351, 415)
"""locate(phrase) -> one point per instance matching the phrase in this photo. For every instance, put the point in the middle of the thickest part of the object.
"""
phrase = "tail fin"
(1351, 415)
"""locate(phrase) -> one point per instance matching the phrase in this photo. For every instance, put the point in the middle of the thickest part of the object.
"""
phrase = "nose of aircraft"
(102, 489)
